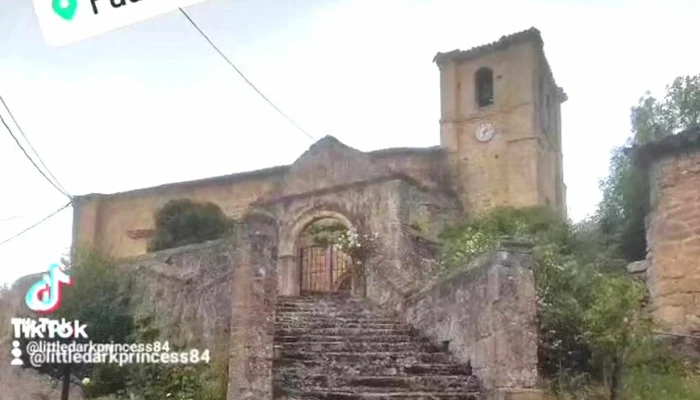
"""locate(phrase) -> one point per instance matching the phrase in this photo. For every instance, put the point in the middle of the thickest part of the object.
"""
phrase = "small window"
(484, 87)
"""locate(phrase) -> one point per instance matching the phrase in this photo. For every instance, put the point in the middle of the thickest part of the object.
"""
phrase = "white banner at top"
(67, 21)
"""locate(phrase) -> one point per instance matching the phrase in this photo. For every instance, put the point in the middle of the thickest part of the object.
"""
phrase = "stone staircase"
(336, 347)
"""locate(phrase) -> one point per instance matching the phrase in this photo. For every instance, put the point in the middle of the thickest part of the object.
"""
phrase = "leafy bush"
(463, 242)
(174, 381)
(325, 233)
(182, 222)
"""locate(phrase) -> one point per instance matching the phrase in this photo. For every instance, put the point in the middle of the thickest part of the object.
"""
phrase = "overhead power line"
(243, 76)
(21, 131)
(30, 158)
(36, 224)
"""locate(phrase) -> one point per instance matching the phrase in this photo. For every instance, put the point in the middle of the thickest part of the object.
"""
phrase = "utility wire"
(30, 158)
(9, 218)
(36, 224)
(244, 77)
(21, 131)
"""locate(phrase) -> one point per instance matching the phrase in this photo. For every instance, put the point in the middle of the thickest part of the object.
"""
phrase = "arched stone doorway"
(323, 266)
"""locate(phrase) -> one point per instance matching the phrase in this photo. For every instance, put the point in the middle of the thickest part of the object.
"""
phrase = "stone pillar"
(254, 296)
(288, 276)
(673, 237)
(673, 230)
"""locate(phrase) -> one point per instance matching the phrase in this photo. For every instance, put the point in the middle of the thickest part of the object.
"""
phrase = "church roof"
(329, 162)
(686, 141)
(504, 42)
(272, 172)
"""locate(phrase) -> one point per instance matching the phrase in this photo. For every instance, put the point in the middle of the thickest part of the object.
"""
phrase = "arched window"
(484, 87)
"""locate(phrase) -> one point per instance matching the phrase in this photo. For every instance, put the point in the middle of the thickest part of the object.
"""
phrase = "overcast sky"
(153, 103)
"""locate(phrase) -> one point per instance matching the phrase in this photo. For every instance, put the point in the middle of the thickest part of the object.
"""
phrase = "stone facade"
(673, 229)
(519, 166)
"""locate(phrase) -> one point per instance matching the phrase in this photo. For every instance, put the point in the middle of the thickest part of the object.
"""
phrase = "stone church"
(500, 145)
(255, 291)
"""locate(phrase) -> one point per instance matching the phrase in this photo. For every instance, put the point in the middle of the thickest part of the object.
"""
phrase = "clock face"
(485, 132)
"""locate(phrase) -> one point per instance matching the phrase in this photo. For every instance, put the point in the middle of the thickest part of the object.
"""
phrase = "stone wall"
(425, 165)
(188, 291)
(218, 295)
(253, 302)
(366, 206)
(488, 315)
(673, 237)
(121, 223)
(421, 216)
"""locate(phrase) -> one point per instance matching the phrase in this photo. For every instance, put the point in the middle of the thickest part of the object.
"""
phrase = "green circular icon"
(65, 8)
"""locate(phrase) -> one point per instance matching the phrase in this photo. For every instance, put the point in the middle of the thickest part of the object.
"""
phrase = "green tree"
(616, 326)
(97, 298)
(653, 119)
(625, 201)
(182, 222)
(624, 206)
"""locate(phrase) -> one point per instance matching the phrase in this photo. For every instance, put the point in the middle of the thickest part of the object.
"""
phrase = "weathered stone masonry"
(488, 316)
(673, 229)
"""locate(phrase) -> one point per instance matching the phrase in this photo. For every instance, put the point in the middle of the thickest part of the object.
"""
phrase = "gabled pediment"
(329, 163)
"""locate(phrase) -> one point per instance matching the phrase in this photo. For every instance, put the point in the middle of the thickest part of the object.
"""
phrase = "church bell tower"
(500, 124)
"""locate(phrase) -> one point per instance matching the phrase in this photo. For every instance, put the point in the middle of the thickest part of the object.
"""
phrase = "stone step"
(324, 318)
(316, 367)
(374, 347)
(329, 315)
(339, 331)
(320, 311)
(407, 357)
(339, 301)
(339, 324)
(325, 295)
(326, 302)
(357, 338)
(341, 348)
(360, 393)
(390, 383)
(321, 302)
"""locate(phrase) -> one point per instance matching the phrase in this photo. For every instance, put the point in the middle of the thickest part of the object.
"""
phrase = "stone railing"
(487, 316)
